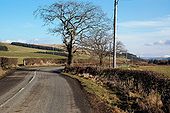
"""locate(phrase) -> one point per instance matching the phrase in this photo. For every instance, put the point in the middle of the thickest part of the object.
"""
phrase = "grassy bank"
(92, 87)
(102, 97)
(132, 90)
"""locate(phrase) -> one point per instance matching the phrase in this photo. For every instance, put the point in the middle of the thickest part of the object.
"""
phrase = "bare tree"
(72, 20)
(98, 43)
(120, 47)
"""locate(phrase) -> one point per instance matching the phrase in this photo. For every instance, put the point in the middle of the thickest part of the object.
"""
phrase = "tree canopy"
(72, 20)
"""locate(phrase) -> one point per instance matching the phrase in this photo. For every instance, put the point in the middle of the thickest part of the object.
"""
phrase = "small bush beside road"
(2, 72)
(3, 48)
(7, 63)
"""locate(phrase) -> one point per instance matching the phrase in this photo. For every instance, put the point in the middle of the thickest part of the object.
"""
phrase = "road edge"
(96, 104)
(80, 96)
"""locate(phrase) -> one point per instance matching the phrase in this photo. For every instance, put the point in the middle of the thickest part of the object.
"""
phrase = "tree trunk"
(70, 52)
(101, 60)
(70, 57)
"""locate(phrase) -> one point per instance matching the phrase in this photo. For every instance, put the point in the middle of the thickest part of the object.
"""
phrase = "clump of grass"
(2, 72)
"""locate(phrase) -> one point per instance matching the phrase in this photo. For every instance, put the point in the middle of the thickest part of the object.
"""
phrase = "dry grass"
(2, 72)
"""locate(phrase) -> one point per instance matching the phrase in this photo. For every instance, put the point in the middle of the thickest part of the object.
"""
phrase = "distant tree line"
(159, 62)
(36, 46)
(3, 48)
(130, 56)
(53, 53)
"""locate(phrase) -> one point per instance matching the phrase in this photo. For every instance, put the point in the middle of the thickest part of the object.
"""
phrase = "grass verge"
(2, 73)
(101, 99)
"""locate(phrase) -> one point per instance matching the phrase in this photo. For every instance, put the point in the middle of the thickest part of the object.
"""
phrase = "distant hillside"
(132, 56)
(25, 52)
(36, 46)
(159, 58)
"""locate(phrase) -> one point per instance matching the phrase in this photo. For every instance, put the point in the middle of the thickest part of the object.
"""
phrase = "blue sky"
(143, 25)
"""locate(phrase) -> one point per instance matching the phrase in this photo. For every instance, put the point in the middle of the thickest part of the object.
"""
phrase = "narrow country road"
(41, 90)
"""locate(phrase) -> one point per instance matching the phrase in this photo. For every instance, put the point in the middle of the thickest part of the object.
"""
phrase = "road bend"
(41, 90)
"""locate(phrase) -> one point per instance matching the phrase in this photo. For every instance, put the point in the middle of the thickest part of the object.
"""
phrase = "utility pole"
(110, 54)
(126, 58)
(53, 49)
(114, 32)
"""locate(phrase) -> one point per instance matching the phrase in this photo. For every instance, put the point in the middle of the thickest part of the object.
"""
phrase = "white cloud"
(166, 56)
(165, 42)
(159, 43)
(145, 37)
(155, 23)
(10, 41)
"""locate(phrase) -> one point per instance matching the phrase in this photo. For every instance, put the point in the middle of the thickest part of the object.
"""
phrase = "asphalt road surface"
(41, 90)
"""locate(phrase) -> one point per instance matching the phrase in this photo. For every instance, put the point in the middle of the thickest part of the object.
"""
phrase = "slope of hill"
(36, 46)
(24, 52)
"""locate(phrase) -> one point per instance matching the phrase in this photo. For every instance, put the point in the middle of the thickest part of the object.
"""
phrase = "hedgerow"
(122, 82)
(3, 48)
(6, 63)
(43, 61)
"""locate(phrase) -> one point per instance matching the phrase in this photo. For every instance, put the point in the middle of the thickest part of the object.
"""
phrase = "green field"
(23, 52)
(160, 69)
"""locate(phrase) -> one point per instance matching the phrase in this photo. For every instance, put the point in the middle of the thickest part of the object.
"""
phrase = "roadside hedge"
(43, 61)
(143, 82)
(3, 48)
(53, 53)
(6, 63)
(0, 62)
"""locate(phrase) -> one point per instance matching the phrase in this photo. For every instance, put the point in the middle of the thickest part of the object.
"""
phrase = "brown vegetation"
(43, 61)
(6, 63)
(138, 91)
(3, 48)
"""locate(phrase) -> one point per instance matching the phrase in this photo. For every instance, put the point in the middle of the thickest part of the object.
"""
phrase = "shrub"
(7, 63)
(122, 82)
(43, 61)
(0, 62)
(3, 48)
(53, 53)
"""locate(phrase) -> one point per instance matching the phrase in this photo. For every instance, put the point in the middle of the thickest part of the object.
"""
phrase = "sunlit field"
(160, 69)
(23, 52)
